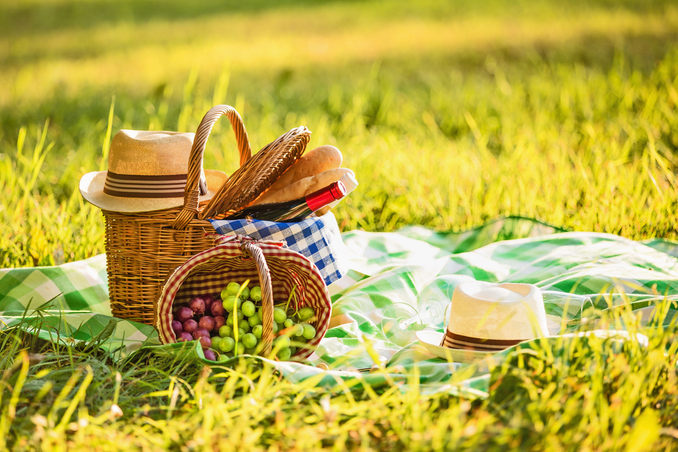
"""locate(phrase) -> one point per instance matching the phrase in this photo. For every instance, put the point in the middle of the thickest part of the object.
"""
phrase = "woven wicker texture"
(142, 248)
(140, 252)
(276, 270)
(192, 192)
(258, 173)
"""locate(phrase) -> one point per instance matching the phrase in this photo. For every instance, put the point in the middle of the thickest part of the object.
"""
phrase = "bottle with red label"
(295, 210)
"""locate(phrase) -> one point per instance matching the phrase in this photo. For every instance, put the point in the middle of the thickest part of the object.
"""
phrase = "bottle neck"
(326, 195)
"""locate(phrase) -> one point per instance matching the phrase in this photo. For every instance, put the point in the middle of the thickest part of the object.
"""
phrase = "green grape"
(288, 323)
(215, 342)
(230, 319)
(306, 313)
(227, 304)
(230, 303)
(226, 330)
(241, 333)
(250, 351)
(279, 315)
(284, 341)
(254, 321)
(260, 314)
(275, 328)
(309, 331)
(257, 330)
(245, 326)
(226, 344)
(298, 330)
(284, 354)
(223, 358)
(232, 288)
(249, 340)
(255, 293)
(293, 350)
(238, 349)
(224, 294)
(248, 308)
(245, 294)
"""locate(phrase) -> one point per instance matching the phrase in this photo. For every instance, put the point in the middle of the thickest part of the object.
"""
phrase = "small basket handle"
(195, 161)
(249, 247)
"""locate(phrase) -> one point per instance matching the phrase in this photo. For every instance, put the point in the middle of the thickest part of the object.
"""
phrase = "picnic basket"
(142, 248)
(278, 270)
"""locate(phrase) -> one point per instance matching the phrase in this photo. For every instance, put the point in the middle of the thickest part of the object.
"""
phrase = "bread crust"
(314, 162)
(303, 186)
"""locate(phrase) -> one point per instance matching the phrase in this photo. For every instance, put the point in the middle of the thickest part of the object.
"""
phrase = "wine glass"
(434, 299)
(400, 322)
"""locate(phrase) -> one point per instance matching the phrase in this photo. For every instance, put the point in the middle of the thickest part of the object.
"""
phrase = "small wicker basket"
(276, 269)
(142, 248)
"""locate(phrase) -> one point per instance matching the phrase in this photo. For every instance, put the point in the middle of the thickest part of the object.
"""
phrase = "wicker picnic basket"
(277, 270)
(142, 248)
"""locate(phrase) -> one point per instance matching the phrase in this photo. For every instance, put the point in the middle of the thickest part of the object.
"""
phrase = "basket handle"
(192, 191)
(250, 248)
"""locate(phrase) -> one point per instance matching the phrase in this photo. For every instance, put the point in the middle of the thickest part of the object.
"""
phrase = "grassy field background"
(559, 111)
(450, 113)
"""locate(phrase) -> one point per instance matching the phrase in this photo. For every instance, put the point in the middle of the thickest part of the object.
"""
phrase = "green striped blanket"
(381, 304)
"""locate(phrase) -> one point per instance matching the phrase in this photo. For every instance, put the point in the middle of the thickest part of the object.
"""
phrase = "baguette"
(314, 162)
(303, 186)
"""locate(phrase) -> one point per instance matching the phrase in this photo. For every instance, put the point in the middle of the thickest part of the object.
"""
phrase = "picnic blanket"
(377, 306)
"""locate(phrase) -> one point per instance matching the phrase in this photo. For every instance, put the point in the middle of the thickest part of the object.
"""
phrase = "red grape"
(201, 332)
(219, 321)
(209, 299)
(217, 309)
(197, 304)
(183, 337)
(176, 327)
(207, 323)
(184, 314)
(209, 354)
(190, 325)
(206, 342)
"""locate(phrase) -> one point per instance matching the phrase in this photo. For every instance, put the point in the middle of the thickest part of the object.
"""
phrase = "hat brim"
(431, 340)
(92, 189)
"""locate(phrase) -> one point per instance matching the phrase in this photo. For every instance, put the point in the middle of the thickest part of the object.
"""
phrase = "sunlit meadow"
(450, 114)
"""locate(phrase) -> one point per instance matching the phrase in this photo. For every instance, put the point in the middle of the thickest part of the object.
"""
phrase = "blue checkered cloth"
(318, 239)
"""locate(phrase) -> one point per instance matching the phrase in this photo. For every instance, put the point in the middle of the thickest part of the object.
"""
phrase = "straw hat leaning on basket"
(147, 171)
(156, 197)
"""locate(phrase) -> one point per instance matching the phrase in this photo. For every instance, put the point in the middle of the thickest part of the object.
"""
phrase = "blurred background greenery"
(451, 113)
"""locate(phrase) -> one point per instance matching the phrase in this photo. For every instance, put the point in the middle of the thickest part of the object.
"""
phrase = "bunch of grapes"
(233, 326)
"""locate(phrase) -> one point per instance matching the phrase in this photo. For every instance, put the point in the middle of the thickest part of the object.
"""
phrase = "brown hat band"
(451, 340)
(141, 186)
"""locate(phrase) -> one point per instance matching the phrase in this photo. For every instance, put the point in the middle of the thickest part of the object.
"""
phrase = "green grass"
(450, 114)
(585, 394)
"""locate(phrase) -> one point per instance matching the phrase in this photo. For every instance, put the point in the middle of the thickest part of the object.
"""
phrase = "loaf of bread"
(303, 187)
(314, 162)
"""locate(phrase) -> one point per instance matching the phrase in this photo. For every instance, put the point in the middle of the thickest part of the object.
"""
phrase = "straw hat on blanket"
(486, 318)
(147, 171)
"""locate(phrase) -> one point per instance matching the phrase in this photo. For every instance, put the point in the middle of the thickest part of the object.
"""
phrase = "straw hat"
(147, 171)
(487, 318)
